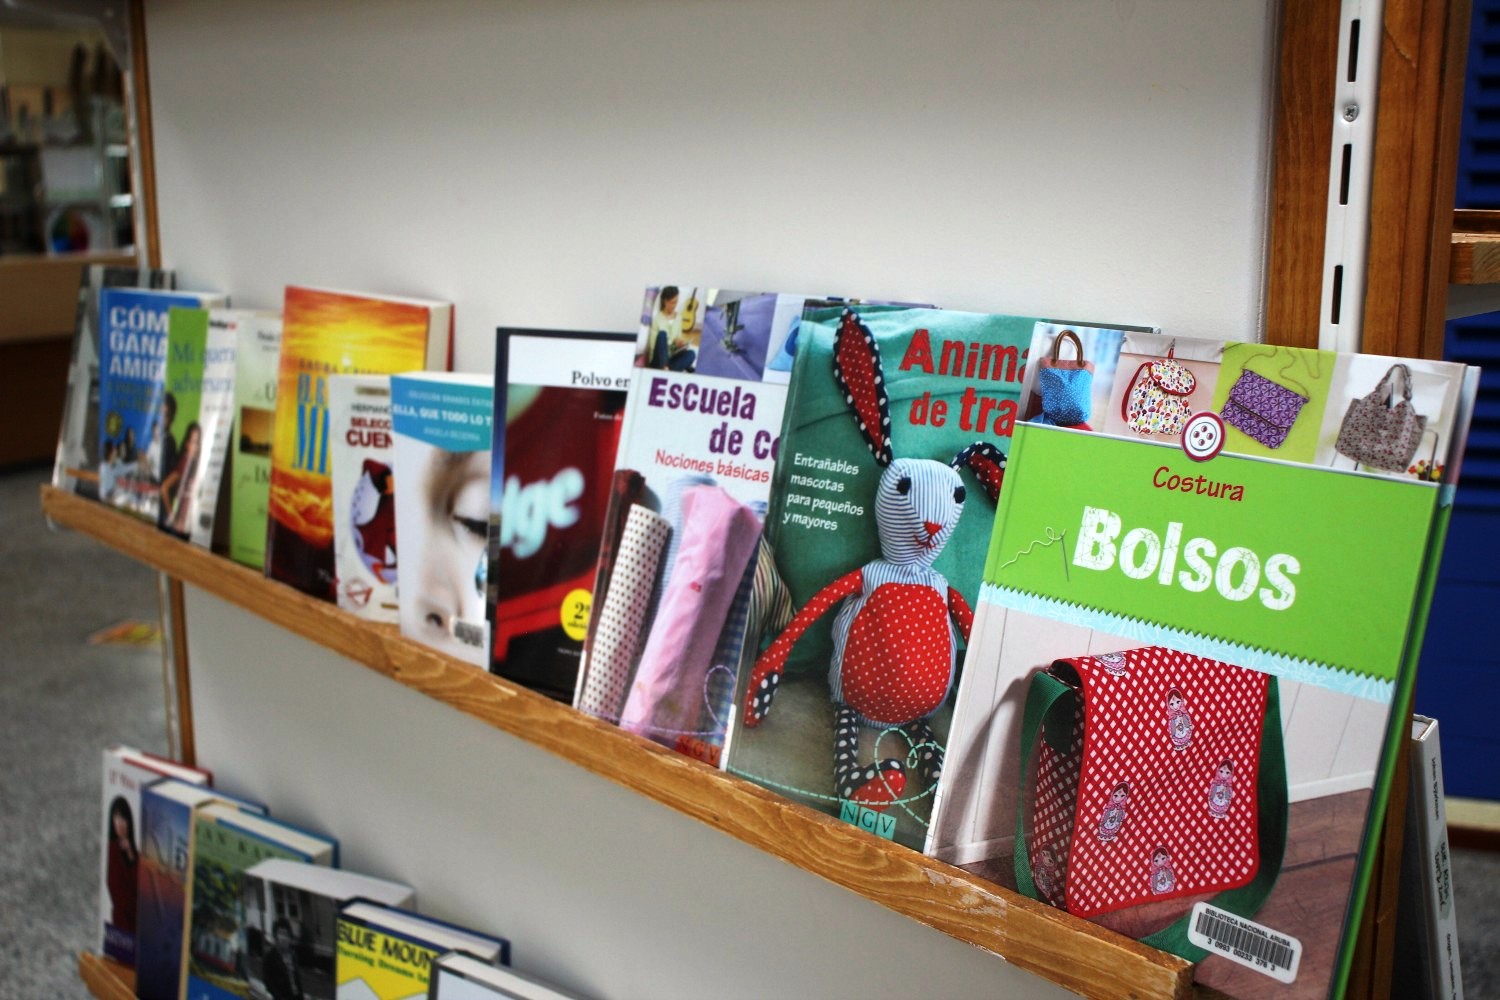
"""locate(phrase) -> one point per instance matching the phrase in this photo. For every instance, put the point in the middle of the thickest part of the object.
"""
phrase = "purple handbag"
(1262, 409)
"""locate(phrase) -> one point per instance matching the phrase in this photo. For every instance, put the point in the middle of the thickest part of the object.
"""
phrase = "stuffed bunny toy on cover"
(894, 644)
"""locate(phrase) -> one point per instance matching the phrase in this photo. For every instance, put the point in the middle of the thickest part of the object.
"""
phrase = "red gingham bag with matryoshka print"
(1152, 781)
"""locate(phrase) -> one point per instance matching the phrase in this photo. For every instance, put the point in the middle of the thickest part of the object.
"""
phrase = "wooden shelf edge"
(1475, 257)
(106, 978)
(1074, 953)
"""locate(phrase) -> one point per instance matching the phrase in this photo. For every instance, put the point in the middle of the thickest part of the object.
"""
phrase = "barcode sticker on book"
(468, 632)
(1252, 945)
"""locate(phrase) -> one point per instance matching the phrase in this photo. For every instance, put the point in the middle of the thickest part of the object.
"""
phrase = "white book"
(361, 459)
(1427, 923)
(456, 976)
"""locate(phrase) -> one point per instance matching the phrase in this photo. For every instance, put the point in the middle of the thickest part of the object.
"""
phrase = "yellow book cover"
(324, 333)
(374, 965)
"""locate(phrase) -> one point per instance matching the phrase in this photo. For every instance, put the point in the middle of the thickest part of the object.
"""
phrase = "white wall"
(539, 162)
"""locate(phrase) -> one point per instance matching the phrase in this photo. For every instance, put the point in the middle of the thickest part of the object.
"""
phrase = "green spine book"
(257, 354)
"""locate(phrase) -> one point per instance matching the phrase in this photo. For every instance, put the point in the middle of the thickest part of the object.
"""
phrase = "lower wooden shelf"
(106, 978)
(1074, 953)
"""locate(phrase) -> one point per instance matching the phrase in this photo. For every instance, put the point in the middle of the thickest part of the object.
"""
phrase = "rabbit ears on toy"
(857, 370)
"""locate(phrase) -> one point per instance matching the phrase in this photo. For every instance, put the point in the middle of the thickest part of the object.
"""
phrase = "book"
(442, 424)
(361, 462)
(676, 584)
(127, 772)
(136, 412)
(291, 924)
(1427, 962)
(326, 332)
(226, 844)
(201, 346)
(893, 448)
(76, 467)
(547, 503)
(1175, 718)
(257, 356)
(385, 953)
(167, 809)
(457, 976)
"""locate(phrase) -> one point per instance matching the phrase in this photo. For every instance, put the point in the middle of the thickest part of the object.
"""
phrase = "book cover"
(291, 925)
(200, 378)
(456, 976)
(257, 356)
(226, 844)
(136, 412)
(76, 467)
(361, 465)
(127, 773)
(1175, 718)
(385, 953)
(898, 423)
(167, 809)
(676, 587)
(1427, 963)
(323, 333)
(442, 429)
(547, 503)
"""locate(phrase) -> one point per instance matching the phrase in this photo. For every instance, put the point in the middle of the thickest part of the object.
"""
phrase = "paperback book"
(364, 495)
(257, 356)
(167, 810)
(127, 773)
(385, 953)
(442, 425)
(200, 380)
(1427, 963)
(227, 843)
(137, 446)
(547, 503)
(76, 467)
(1176, 715)
(291, 924)
(326, 333)
(676, 589)
(893, 450)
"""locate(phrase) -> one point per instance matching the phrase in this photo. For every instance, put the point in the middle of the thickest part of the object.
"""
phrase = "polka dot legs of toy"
(929, 754)
(874, 786)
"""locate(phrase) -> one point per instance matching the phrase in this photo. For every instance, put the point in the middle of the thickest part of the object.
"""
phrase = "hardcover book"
(386, 953)
(167, 809)
(324, 333)
(137, 446)
(442, 424)
(127, 773)
(226, 844)
(547, 503)
(681, 563)
(893, 449)
(257, 356)
(1176, 718)
(77, 465)
(291, 924)
(200, 378)
(456, 976)
(364, 495)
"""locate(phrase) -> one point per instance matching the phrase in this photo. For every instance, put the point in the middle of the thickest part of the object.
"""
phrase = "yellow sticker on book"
(575, 613)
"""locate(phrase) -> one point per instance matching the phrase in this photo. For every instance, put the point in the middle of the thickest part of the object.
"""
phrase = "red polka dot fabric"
(898, 659)
(856, 369)
(1154, 797)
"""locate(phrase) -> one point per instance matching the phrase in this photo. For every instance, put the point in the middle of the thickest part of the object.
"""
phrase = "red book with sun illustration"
(326, 333)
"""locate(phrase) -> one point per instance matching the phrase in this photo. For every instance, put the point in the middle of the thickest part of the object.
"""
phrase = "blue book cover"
(166, 844)
(135, 410)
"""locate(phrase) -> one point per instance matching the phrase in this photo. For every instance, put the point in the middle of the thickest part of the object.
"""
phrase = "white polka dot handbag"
(1157, 775)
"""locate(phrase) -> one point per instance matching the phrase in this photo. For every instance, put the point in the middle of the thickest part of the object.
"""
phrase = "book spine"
(215, 415)
(1441, 920)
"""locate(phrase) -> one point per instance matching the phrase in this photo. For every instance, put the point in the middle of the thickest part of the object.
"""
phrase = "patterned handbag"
(1156, 400)
(1262, 409)
(1064, 389)
(1379, 434)
(1158, 775)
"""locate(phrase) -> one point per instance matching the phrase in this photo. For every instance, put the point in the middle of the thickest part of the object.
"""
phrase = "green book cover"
(257, 355)
(1288, 526)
